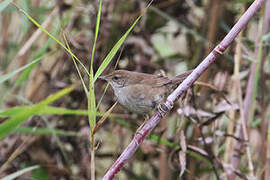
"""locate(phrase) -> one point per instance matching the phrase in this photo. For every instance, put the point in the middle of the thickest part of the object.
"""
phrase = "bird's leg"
(146, 117)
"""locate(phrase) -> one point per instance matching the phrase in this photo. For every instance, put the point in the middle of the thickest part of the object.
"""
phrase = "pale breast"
(138, 101)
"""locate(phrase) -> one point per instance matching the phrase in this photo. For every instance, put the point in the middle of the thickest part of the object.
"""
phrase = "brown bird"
(141, 92)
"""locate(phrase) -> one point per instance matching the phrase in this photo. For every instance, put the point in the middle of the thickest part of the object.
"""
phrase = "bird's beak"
(103, 78)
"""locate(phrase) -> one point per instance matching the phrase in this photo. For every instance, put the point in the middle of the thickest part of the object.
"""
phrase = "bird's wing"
(175, 80)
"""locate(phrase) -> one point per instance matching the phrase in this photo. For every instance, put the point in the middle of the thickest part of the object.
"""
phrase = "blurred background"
(201, 138)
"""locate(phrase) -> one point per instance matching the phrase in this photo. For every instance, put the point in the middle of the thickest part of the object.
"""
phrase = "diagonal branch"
(167, 106)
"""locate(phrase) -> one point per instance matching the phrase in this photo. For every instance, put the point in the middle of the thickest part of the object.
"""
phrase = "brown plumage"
(141, 92)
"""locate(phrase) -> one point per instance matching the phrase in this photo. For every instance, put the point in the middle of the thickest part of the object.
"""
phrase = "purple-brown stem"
(167, 106)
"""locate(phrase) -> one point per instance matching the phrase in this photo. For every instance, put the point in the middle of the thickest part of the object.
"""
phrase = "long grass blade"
(51, 36)
(14, 121)
(114, 50)
(44, 131)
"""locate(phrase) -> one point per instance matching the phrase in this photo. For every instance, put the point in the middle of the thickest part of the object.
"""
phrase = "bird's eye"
(115, 78)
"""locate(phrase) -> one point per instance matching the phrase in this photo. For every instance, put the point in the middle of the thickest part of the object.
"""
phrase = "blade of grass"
(116, 47)
(44, 131)
(62, 111)
(107, 85)
(57, 95)
(91, 97)
(48, 110)
(12, 123)
(13, 111)
(114, 50)
(96, 34)
(51, 36)
(76, 66)
(91, 105)
(105, 90)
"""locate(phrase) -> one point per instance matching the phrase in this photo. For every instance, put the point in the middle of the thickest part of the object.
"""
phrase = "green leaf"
(13, 111)
(44, 131)
(14, 121)
(56, 96)
(114, 50)
(46, 110)
(91, 97)
(77, 68)
(62, 111)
